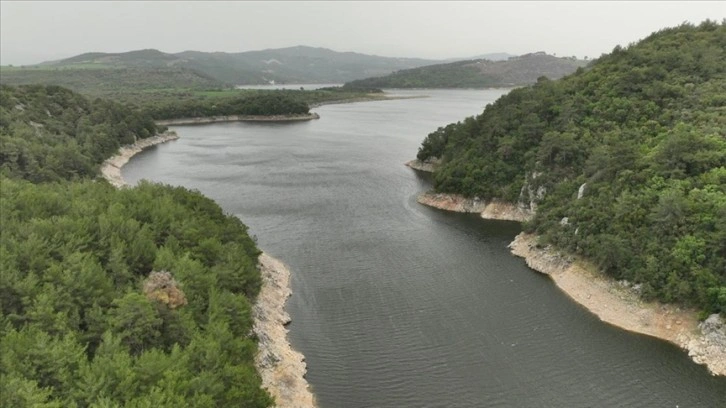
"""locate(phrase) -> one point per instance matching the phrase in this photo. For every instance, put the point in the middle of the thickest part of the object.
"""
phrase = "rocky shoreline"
(281, 367)
(618, 304)
(111, 168)
(613, 302)
(238, 118)
(427, 166)
(492, 210)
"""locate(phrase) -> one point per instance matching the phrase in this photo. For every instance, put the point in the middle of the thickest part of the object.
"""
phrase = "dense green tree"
(256, 104)
(641, 132)
(77, 326)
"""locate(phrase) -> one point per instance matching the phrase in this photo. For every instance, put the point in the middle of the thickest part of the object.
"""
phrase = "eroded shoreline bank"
(281, 367)
(427, 166)
(614, 303)
(620, 305)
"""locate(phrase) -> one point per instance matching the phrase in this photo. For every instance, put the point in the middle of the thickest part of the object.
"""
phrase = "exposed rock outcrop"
(529, 193)
(499, 210)
(710, 347)
(428, 165)
(495, 210)
(160, 286)
(581, 191)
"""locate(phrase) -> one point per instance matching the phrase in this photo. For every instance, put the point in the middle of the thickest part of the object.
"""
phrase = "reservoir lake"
(399, 305)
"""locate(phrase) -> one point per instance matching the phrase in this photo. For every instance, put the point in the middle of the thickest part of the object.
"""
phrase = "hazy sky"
(34, 31)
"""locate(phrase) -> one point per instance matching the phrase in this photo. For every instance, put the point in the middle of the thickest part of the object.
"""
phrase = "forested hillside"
(135, 297)
(179, 100)
(625, 162)
(481, 73)
(265, 103)
(51, 133)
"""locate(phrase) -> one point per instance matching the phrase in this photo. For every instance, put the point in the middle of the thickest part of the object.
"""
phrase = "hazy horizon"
(34, 32)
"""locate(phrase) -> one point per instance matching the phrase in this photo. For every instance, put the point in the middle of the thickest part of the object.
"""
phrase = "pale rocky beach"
(613, 302)
(111, 168)
(617, 303)
(493, 210)
(281, 367)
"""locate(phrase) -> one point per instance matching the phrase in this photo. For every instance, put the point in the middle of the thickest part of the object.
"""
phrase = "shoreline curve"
(615, 303)
(111, 167)
(281, 367)
(238, 118)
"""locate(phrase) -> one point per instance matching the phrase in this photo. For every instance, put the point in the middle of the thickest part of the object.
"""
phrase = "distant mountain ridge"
(492, 56)
(514, 71)
(97, 73)
(300, 64)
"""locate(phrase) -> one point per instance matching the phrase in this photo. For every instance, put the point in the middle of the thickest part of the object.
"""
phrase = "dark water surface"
(398, 305)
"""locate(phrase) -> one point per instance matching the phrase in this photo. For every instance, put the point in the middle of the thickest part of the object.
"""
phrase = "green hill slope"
(51, 133)
(522, 70)
(139, 297)
(148, 57)
(105, 79)
(625, 162)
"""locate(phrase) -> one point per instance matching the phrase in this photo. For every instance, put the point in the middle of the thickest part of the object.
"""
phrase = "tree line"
(267, 103)
(255, 102)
